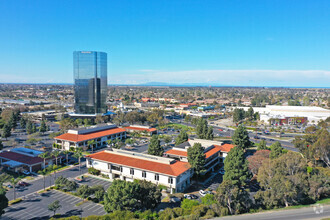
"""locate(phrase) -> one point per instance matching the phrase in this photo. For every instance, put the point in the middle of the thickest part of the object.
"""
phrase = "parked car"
(222, 172)
(202, 193)
(9, 186)
(256, 137)
(175, 199)
(22, 183)
(187, 196)
(193, 196)
(25, 172)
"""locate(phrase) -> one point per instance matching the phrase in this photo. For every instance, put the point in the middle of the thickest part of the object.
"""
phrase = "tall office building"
(90, 82)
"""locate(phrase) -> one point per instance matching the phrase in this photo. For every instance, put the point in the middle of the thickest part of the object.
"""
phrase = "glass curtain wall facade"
(90, 82)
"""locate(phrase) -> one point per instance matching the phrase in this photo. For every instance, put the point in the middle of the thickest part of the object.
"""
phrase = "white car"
(187, 196)
(202, 193)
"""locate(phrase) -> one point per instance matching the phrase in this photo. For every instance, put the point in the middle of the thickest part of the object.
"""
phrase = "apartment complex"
(127, 165)
(80, 137)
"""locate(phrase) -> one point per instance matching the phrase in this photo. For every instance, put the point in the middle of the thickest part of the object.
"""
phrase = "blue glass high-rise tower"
(90, 82)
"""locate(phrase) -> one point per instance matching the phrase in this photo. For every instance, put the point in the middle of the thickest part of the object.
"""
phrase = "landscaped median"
(15, 201)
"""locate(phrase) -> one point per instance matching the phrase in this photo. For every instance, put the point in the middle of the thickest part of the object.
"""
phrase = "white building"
(79, 137)
(215, 152)
(127, 165)
(313, 114)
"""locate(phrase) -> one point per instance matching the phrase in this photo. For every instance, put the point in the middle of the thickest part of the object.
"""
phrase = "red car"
(23, 183)
(220, 130)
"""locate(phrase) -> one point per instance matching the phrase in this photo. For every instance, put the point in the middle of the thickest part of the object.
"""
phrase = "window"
(157, 177)
(109, 166)
(170, 180)
(131, 171)
(144, 174)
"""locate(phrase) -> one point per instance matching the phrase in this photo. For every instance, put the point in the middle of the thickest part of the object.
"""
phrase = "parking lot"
(35, 206)
(92, 181)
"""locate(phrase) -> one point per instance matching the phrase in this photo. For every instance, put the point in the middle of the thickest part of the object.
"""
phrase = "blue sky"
(244, 43)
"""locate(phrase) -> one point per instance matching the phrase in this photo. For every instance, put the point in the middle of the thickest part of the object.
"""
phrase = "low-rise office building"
(127, 165)
(20, 159)
(139, 128)
(215, 152)
(81, 136)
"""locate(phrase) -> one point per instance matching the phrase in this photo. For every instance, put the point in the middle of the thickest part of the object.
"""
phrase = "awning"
(12, 163)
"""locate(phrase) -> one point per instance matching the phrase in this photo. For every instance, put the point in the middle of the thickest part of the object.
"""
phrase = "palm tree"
(56, 153)
(78, 154)
(13, 182)
(91, 143)
(66, 152)
(43, 173)
(44, 156)
(110, 142)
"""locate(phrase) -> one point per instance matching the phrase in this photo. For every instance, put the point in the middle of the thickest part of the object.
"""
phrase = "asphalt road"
(38, 184)
(292, 214)
(229, 133)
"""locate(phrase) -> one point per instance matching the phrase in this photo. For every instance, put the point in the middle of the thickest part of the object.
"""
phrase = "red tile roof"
(213, 151)
(216, 149)
(10, 155)
(177, 152)
(174, 169)
(140, 129)
(225, 147)
(89, 136)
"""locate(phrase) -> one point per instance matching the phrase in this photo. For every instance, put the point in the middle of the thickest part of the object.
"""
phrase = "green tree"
(236, 167)
(196, 158)
(34, 128)
(167, 139)
(241, 138)
(238, 114)
(188, 204)
(250, 114)
(13, 182)
(56, 154)
(29, 127)
(43, 127)
(262, 145)
(1, 145)
(78, 154)
(150, 195)
(283, 180)
(122, 195)
(6, 131)
(84, 191)
(154, 147)
(209, 135)
(182, 137)
(54, 206)
(66, 153)
(276, 150)
(202, 128)
(44, 156)
(236, 199)
(321, 148)
(208, 199)
(91, 144)
(3, 200)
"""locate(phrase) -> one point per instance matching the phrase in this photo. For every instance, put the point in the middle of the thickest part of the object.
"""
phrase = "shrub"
(188, 204)
(94, 171)
(12, 202)
(199, 210)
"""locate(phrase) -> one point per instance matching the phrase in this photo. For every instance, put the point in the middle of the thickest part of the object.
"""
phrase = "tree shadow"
(10, 209)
